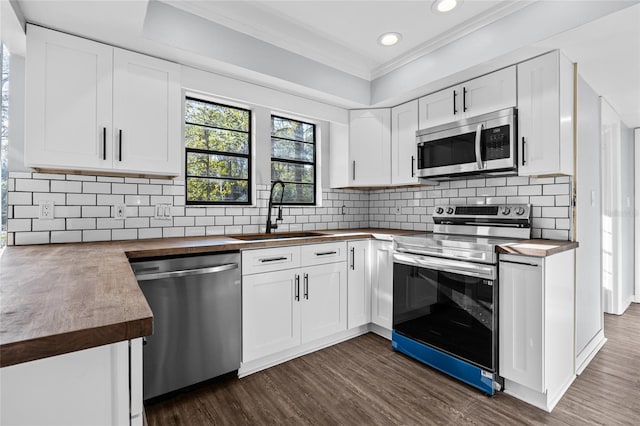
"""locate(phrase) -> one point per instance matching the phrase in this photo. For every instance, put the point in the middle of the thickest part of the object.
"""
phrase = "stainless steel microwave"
(481, 145)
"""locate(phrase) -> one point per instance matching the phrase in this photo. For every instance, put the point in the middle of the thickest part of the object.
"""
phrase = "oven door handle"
(487, 272)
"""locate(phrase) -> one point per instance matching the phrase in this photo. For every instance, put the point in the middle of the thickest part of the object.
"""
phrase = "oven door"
(448, 305)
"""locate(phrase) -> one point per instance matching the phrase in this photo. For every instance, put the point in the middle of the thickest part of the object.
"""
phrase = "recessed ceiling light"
(443, 6)
(389, 39)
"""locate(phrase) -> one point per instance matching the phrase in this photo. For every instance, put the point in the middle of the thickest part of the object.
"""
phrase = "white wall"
(618, 207)
(637, 184)
(589, 313)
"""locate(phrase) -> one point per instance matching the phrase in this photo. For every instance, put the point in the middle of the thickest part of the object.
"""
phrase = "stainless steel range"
(445, 289)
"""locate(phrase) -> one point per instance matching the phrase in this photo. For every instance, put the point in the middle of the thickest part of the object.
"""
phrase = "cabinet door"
(521, 322)
(404, 124)
(147, 121)
(370, 147)
(382, 284)
(539, 115)
(68, 101)
(324, 300)
(491, 92)
(439, 107)
(270, 313)
(87, 387)
(358, 284)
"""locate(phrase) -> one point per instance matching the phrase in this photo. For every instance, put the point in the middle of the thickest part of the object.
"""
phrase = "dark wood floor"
(363, 382)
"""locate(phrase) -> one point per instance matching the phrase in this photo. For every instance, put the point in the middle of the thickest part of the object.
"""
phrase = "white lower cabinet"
(358, 283)
(536, 327)
(96, 386)
(284, 309)
(382, 283)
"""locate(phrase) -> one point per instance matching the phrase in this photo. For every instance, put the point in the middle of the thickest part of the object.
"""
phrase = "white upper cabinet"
(491, 92)
(404, 124)
(545, 116)
(370, 147)
(83, 98)
(68, 100)
(146, 103)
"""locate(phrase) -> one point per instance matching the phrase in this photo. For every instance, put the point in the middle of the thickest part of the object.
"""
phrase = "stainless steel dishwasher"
(196, 304)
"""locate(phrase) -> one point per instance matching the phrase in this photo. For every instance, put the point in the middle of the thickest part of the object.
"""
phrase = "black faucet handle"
(279, 214)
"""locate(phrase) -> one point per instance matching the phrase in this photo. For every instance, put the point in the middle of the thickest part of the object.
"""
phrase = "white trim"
(456, 33)
(544, 401)
(380, 331)
(590, 351)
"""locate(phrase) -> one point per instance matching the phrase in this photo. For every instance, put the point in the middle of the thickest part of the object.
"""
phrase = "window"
(293, 155)
(218, 153)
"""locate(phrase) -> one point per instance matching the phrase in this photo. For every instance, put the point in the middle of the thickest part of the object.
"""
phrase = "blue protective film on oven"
(446, 363)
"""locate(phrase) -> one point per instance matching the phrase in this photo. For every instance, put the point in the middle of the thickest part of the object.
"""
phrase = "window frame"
(299, 162)
(248, 156)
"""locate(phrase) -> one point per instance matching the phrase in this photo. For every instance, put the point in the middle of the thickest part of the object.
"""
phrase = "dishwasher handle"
(187, 272)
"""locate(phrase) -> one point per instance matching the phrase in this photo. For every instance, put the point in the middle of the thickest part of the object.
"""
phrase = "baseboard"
(590, 351)
(253, 366)
(543, 401)
(380, 331)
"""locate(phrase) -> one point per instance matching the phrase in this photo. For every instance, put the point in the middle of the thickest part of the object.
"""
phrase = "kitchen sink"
(276, 236)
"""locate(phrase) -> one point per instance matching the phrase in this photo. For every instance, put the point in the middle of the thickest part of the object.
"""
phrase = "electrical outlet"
(163, 211)
(46, 210)
(120, 211)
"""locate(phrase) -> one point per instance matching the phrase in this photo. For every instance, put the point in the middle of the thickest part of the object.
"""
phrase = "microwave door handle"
(478, 150)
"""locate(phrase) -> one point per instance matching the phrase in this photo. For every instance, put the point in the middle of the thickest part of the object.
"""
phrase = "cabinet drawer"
(273, 259)
(319, 254)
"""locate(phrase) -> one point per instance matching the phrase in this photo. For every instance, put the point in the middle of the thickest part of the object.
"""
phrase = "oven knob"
(449, 210)
(519, 211)
(439, 210)
(506, 210)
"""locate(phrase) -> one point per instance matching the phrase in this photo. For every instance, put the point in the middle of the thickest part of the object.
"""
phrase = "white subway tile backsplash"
(96, 211)
(81, 199)
(38, 197)
(80, 224)
(96, 235)
(66, 236)
(32, 185)
(124, 234)
(20, 175)
(555, 234)
(20, 198)
(403, 208)
(48, 225)
(25, 238)
(65, 186)
(96, 188)
(146, 233)
(18, 225)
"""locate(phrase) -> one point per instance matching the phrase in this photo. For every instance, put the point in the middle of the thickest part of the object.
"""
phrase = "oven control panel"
(483, 211)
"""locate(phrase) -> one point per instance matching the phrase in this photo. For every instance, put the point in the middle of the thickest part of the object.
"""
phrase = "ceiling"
(328, 51)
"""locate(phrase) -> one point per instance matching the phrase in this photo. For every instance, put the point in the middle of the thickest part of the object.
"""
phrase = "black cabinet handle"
(297, 295)
(455, 111)
(272, 259)
(326, 253)
(464, 99)
(353, 258)
(120, 145)
(524, 150)
(104, 143)
(413, 173)
(354, 169)
(306, 286)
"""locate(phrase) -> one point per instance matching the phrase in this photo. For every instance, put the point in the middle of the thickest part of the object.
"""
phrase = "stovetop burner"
(470, 232)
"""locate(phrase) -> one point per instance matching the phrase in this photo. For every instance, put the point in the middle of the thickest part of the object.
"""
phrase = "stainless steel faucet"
(270, 225)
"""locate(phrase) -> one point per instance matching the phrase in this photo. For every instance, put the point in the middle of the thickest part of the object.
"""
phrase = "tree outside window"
(293, 153)
(218, 153)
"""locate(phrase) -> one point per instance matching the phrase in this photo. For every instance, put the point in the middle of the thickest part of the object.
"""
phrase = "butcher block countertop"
(537, 248)
(63, 298)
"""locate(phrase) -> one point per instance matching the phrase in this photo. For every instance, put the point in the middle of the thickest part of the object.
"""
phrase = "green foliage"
(295, 141)
(218, 129)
